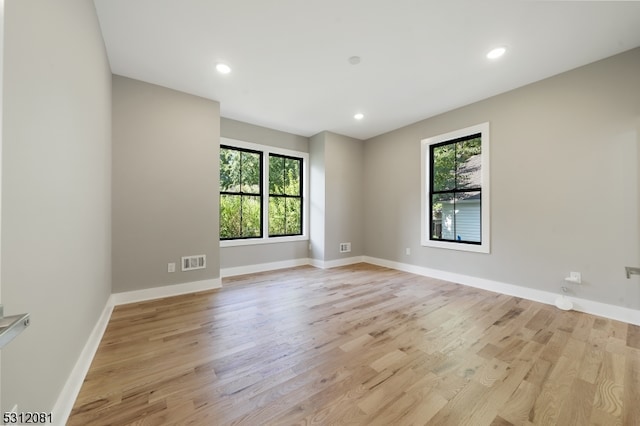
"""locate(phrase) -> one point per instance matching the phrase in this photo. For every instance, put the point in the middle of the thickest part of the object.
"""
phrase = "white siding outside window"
(467, 221)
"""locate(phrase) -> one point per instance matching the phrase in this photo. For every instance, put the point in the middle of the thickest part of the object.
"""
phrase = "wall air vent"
(189, 263)
(345, 247)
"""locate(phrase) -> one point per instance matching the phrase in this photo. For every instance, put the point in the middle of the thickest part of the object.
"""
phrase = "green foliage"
(240, 171)
(285, 216)
(450, 164)
(284, 175)
(239, 216)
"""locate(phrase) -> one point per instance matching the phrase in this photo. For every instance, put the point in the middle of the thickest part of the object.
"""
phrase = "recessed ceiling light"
(359, 116)
(496, 53)
(354, 60)
(223, 68)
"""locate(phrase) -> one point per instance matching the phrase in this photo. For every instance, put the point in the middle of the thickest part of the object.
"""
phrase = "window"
(262, 194)
(455, 195)
(240, 193)
(285, 195)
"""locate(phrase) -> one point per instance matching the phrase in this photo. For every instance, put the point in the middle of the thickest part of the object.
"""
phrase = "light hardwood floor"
(359, 345)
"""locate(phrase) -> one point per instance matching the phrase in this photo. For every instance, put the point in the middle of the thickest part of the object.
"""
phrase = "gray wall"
(165, 176)
(231, 257)
(318, 196)
(56, 222)
(337, 196)
(564, 190)
(344, 188)
(242, 131)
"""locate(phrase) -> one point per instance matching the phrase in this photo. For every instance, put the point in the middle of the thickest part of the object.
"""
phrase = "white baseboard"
(66, 399)
(618, 313)
(164, 291)
(328, 264)
(262, 267)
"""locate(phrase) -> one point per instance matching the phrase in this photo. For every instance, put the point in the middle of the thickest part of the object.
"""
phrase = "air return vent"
(345, 247)
(189, 263)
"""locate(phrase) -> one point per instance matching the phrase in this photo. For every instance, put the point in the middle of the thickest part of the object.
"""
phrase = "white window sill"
(258, 241)
(477, 248)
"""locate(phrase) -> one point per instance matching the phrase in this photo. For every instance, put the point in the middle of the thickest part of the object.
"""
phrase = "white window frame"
(266, 150)
(485, 212)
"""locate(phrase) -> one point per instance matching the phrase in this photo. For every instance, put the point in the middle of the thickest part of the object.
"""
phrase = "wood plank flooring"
(359, 345)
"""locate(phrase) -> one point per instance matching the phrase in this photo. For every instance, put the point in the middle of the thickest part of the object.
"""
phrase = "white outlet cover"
(574, 278)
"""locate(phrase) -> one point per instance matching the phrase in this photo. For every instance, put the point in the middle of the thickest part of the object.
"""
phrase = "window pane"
(467, 216)
(444, 167)
(284, 175)
(468, 164)
(456, 218)
(442, 217)
(239, 216)
(230, 216)
(276, 174)
(292, 176)
(250, 174)
(293, 216)
(229, 170)
(250, 216)
(285, 216)
(277, 208)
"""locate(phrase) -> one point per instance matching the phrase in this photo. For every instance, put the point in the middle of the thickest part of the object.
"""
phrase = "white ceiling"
(419, 57)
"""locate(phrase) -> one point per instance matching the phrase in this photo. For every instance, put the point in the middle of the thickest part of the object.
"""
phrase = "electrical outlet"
(407, 251)
(171, 267)
(574, 278)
